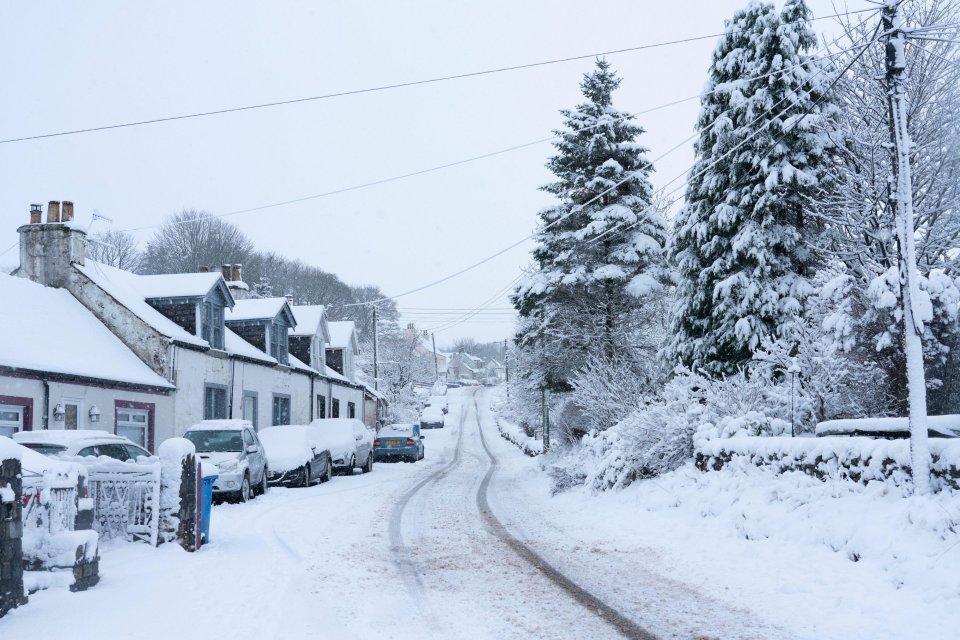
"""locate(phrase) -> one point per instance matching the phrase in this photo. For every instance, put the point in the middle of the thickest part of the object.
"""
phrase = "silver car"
(233, 446)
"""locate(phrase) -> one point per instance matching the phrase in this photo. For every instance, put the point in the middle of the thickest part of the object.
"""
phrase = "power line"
(468, 160)
(580, 207)
(386, 87)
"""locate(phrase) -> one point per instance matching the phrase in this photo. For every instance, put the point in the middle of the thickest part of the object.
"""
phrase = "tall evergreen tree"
(600, 249)
(741, 242)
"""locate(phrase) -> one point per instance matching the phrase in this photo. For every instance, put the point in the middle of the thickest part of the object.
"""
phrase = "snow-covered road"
(403, 552)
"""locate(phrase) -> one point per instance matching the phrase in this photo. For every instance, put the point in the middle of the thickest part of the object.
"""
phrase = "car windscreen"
(45, 449)
(213, 441)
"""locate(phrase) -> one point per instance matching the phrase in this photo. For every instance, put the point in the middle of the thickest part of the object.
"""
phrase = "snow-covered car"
(296, 456)
(431, 417)
(35, 466)
(80, 442)
(233, 446)
(399, 442)
(438, 401)
(349, 441)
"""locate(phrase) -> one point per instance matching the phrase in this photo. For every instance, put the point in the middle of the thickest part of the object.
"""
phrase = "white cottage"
(210, 351)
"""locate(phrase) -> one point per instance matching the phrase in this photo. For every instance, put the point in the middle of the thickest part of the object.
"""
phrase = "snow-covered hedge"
(516, 435)
(857, 459)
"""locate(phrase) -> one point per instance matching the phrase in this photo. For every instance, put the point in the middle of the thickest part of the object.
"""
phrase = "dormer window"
(211, 323)
(279, 345)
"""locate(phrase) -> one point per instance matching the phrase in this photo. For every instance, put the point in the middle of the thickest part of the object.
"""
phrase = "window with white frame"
(11, 419)
(211, 323)
(132, 424)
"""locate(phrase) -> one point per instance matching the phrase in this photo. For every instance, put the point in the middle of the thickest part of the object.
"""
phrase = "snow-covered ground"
(404, 553)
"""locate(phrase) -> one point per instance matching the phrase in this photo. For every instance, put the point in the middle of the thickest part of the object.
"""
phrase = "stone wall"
(11, 533)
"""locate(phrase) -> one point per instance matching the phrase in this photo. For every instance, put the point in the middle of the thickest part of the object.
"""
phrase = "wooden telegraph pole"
(902, 202)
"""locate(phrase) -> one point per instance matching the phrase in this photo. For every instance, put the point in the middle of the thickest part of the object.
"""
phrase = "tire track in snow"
(627, 627)
(403, 556)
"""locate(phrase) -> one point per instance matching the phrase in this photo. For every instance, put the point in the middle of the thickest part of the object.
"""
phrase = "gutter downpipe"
(233, 382)
(46, 404)
(312, 396)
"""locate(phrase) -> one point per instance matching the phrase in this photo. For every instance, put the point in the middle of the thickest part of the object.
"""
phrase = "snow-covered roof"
(50, 331)
(333, 375)
(343, 335)
(238, 346)
(297, 363)
(178, 285)
(124, 287)
(310, 319)
(255, 309)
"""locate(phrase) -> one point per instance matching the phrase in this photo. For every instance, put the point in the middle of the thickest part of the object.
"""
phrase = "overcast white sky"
(72, 65)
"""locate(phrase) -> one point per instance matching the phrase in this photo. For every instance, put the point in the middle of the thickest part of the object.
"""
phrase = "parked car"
(80, 442)
(349, 441)
(399, 442)
(438, 401)
(233, 446)
(431, 418)
(297, 459)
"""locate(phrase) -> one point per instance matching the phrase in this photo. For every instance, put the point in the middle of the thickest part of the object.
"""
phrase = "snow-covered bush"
(607, 391)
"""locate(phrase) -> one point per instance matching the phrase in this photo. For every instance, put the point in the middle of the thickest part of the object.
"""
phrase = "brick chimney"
(47, 250)
(238, 288)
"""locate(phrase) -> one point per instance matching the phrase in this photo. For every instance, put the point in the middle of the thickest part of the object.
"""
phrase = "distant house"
(494, 369)
(159, 353)
(464, 367)
(436, 362)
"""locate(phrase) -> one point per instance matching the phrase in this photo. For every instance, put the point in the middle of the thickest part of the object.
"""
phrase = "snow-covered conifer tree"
(600, 249)
(741, 240)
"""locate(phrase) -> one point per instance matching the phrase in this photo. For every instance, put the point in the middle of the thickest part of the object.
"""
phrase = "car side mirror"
(251, 449)
(422, 436)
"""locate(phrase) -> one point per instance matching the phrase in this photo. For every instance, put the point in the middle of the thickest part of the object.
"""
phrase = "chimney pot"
(36, 211)
(67, 211)
(236, 272)
(289, 298)
(53, 211)
(226, 271)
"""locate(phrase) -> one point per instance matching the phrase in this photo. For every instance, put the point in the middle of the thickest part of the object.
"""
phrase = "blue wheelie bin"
(206, 506)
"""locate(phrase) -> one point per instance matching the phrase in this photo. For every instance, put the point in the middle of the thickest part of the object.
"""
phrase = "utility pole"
(376, 346)
(546, 419)
(902, 201)
(506, 368)
(436, 363)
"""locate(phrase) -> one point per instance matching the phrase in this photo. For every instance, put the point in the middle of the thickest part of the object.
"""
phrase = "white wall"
(88, 396)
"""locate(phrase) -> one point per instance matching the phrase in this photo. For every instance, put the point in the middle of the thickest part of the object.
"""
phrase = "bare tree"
(115, 248)
(192, 239)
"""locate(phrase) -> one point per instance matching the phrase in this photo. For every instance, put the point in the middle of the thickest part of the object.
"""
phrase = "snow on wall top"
(308, 319)
(255, 309)
(343, 335)
(125, 288)
(51, 331)
(9, 450)
(948, 425)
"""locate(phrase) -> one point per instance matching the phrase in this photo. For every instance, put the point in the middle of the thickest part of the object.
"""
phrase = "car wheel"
(264, 486)
(306, 476)
(349, 470)
(328, 476)
(245, 489)
(368, 467)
